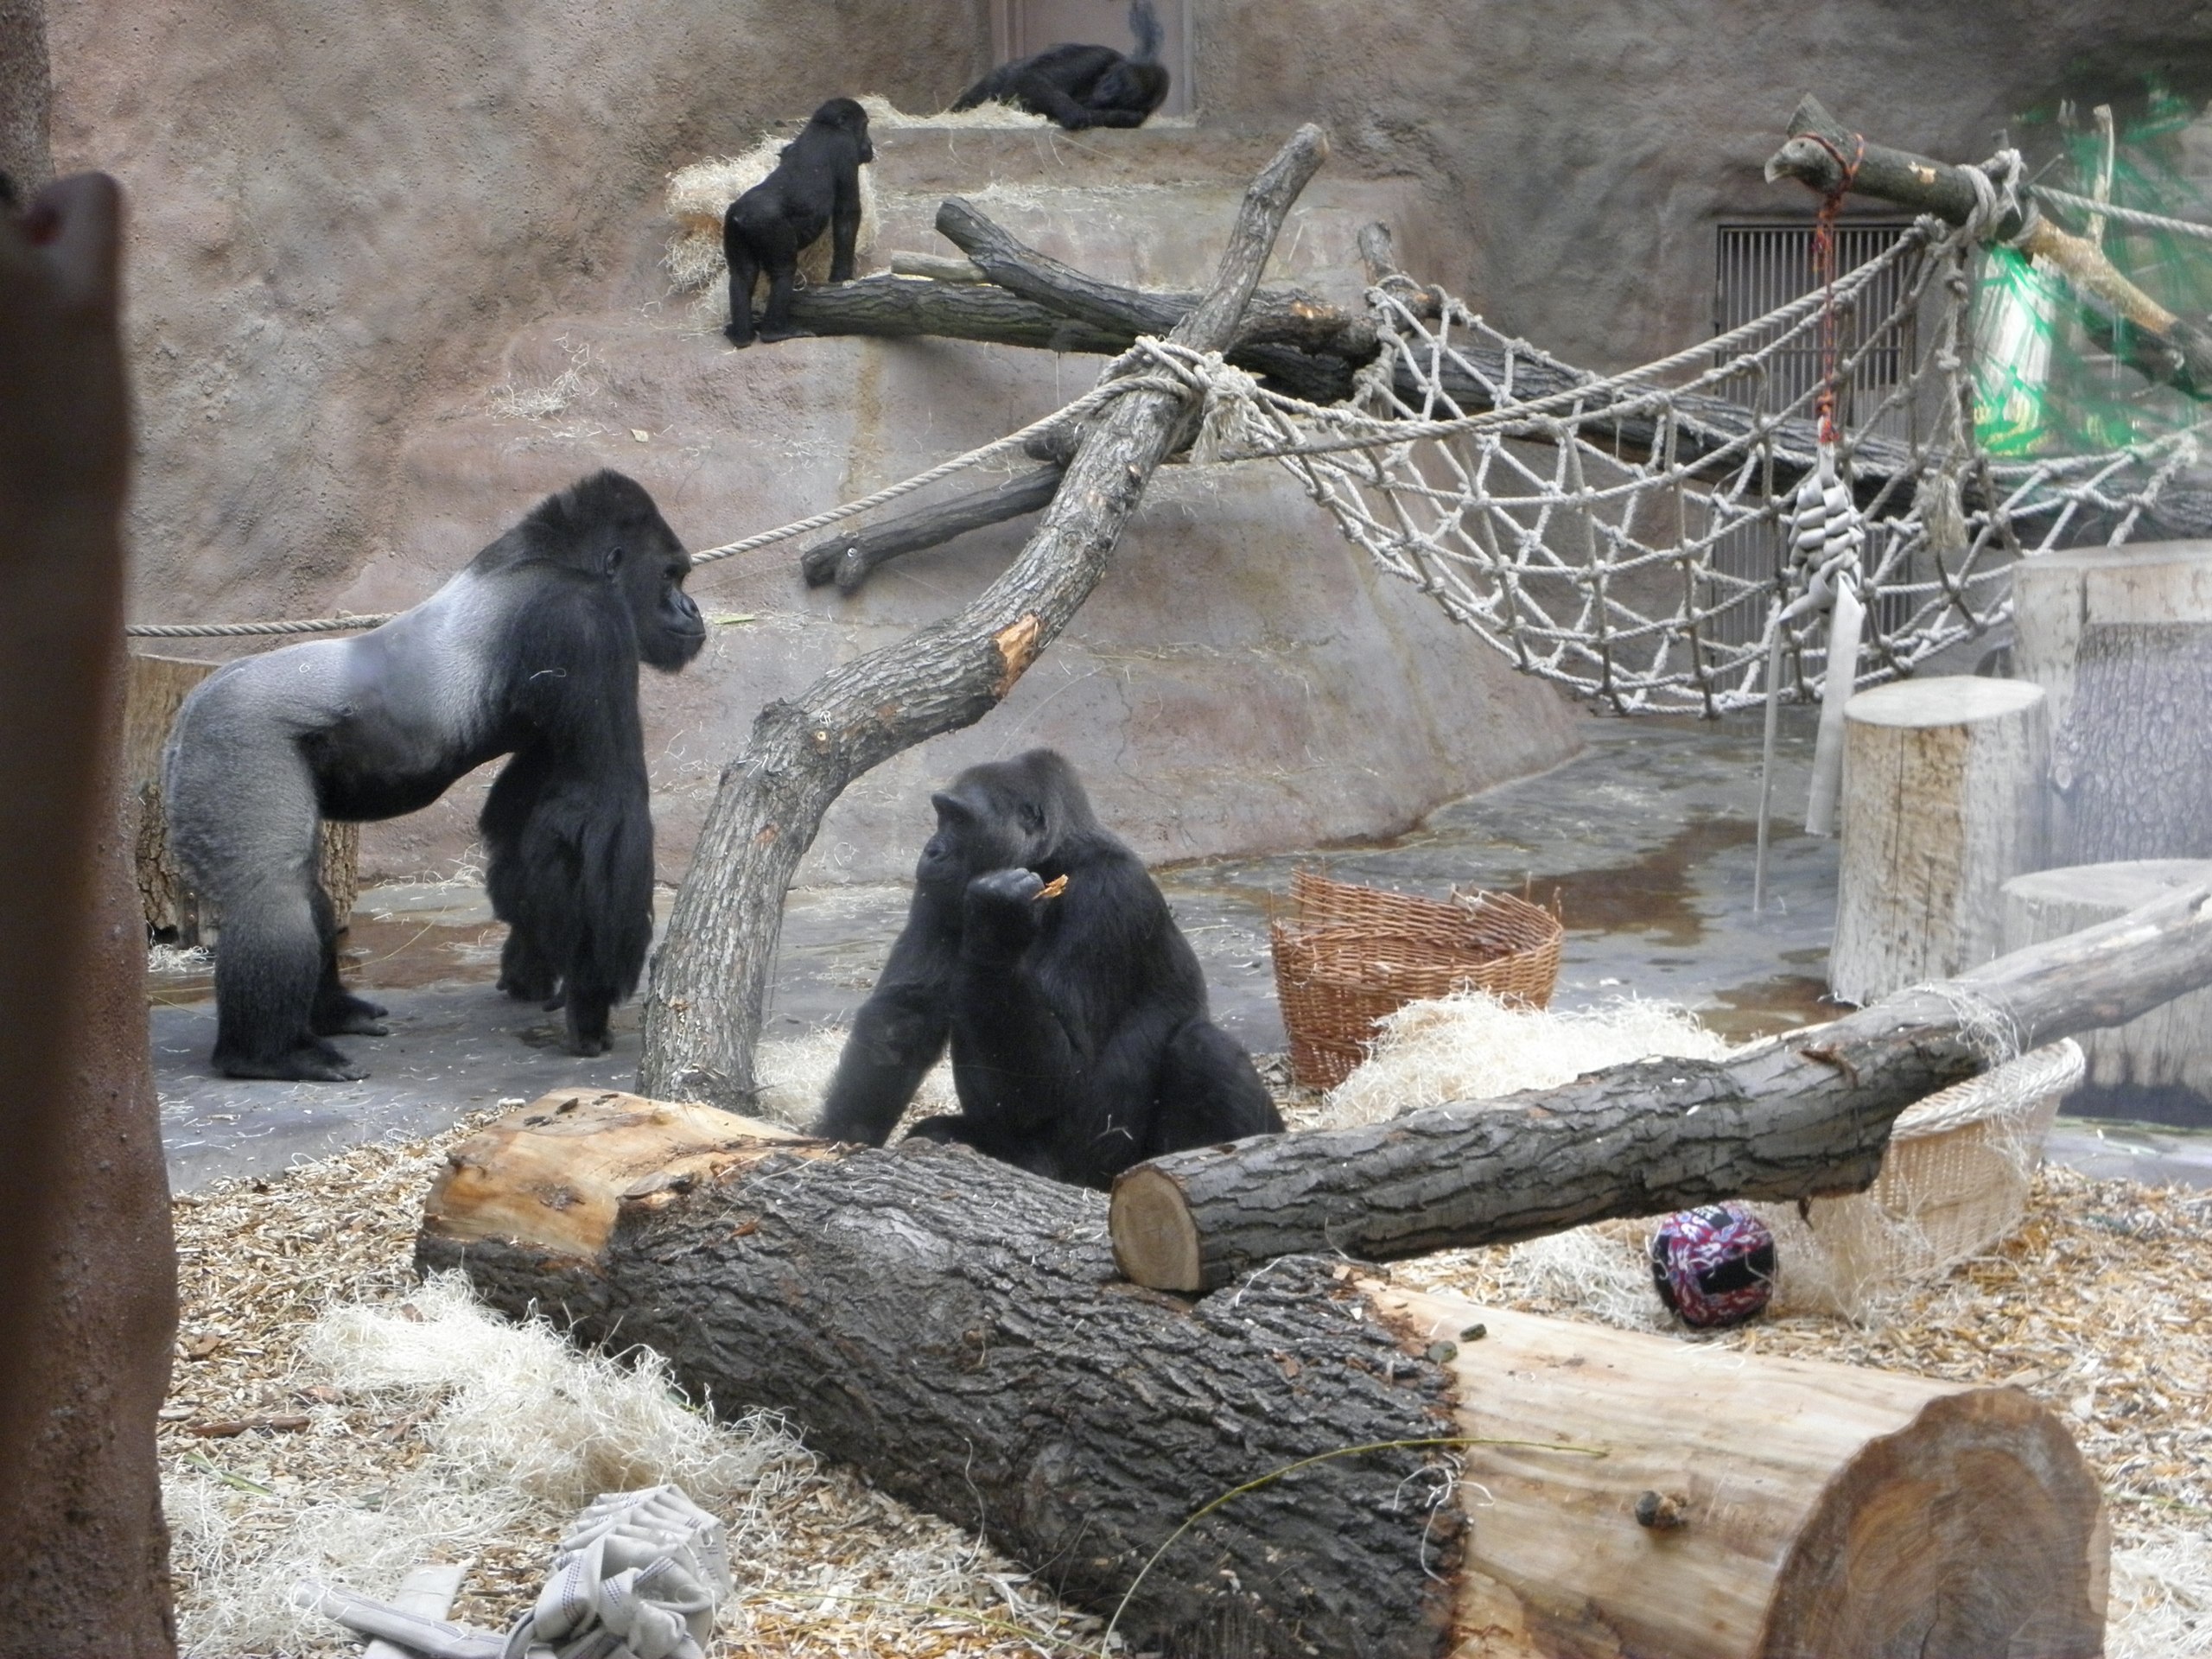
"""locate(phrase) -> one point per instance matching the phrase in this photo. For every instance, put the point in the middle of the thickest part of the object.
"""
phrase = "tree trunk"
(848, 559)
(2121, 639)
(1791, 1117)
(953, 1327)
(703, 1012)
(2158, 1065)
(2159, 346)
(1944, 782)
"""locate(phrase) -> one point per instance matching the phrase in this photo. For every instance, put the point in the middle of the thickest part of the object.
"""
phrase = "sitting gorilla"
(1075, 1009)
(1082, 86)
(531, 651)
(815, 186)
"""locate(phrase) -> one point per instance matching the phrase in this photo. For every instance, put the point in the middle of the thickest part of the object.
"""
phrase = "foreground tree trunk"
(954, 1328)
(1797, 1115)
(703, 1012)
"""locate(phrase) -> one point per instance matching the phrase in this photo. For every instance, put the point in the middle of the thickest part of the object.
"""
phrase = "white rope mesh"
(1626, 536)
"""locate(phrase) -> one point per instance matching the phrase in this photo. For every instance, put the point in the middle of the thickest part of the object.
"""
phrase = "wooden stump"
(157, 686)
(954, 1328)
(2157, 1066)
(2121, 640)
(1943, 801)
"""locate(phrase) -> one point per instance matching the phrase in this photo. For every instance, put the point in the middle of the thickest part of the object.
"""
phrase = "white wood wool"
(1471, 1046)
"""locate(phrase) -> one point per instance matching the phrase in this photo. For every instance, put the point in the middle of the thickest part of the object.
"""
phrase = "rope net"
(1629, 536)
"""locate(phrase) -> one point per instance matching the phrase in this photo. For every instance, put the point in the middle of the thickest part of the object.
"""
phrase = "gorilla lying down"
(1080, 86)
(1038, 945)
(531, 651)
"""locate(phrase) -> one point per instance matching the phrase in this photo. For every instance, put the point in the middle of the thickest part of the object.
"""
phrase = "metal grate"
(1758, 268)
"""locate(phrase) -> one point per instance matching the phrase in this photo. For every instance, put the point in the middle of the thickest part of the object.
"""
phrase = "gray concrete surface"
(1646, 839)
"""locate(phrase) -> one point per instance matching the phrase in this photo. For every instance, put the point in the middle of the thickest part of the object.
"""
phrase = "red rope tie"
(1824, 270)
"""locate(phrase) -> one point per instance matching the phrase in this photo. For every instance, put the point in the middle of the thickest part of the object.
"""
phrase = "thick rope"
(2121, 215)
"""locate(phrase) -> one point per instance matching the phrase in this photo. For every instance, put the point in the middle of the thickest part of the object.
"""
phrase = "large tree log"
(847, 560)
(2159, 346)
(1795, 1117)
(954, 1328)
(703, 1012)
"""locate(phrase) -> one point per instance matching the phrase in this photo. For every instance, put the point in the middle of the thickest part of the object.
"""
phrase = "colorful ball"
(1714, 1266)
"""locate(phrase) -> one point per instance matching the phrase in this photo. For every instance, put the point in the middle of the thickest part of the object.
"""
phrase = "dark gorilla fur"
(531, 651)
(815, 184)
(1080, 1040)
(1083, 86)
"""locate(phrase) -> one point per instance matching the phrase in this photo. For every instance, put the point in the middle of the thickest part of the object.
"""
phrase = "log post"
(848, 559)
(2120, 638)
(702, 1011)
(2158, 1065)
(1794, 1116)
(953, 1327)
(1943, 801)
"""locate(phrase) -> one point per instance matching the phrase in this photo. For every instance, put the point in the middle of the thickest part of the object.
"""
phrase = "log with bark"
(954, 1327)
(1798, 1116)
(848, 559)
(703, 1012)
(1826, 156)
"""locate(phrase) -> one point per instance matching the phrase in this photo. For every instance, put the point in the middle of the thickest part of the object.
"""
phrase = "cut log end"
(1155, 1240)
(1976, 1529)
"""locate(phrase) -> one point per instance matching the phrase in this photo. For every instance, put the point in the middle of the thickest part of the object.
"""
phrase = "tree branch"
(703, 1012)
(2160, 347)
(1801, 1114)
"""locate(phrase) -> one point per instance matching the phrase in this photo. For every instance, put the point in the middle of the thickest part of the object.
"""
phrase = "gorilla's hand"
(1002, 914)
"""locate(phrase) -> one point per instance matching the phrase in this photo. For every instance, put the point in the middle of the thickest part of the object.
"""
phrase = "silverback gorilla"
(815, 184)
(531, 651)
(1082, 86)
(1077, 1017)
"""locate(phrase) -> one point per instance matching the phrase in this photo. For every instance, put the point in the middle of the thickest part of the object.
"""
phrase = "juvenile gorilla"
(1082, 86)
(816, 184)
(1080, 1041)
(532, 651)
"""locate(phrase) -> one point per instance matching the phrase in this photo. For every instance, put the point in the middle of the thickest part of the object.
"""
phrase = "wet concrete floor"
(1644, 841)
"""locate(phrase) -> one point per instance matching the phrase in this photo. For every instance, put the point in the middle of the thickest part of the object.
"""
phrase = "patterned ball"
(1714, 1266)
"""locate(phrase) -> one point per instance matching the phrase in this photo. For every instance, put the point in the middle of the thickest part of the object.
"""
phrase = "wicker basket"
(1953, 1181)
(1347, 956)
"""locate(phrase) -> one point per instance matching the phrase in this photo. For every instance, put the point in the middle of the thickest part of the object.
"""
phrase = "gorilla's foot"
(313, 1061)
(736, 336)
(787, 332)
(350, 1016)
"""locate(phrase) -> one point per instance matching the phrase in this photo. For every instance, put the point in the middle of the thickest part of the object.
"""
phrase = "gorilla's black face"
(981, 826)
(670, 628)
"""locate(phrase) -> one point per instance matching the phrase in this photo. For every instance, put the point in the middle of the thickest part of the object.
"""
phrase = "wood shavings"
(266, 1462)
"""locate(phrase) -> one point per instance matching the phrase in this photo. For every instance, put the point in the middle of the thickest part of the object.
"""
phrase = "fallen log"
(1799, 1116)
(849, 559)
(1826, 156)
(703, 1012)
(954, 1328)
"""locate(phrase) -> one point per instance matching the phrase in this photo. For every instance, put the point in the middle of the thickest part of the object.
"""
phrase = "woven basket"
(1347, 956)
(1953, 1181)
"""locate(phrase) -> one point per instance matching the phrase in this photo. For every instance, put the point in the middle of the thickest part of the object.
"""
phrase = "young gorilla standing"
(816, 184)
(1080, 86)
(1077, 1019)
(532, 651)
